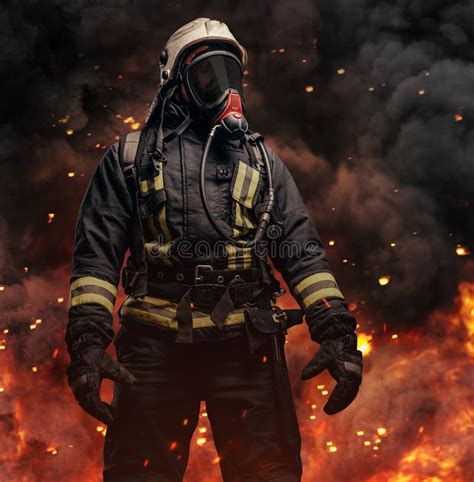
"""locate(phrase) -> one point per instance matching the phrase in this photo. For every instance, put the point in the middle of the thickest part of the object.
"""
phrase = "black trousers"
(155, 418)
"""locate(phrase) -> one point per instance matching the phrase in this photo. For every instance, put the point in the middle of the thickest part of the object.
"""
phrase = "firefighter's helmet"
(200, 31)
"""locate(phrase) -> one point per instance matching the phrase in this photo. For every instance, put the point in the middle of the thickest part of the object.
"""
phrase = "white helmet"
(199, 31)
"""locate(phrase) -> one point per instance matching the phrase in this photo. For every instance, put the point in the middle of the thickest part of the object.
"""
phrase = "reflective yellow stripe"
(92, 298)
(144, 187)
(163, 225)
(231, 256)
(239, 181)
(90, 280)
(238, 258)
(314, 278)
(320, 294)
(150, 220)
(162, 303)
(158, 180)
(157, 183)
(198, 322)
(242, 218)
(252, 188)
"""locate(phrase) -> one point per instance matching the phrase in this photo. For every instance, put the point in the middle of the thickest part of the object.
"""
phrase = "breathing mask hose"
(266, 214)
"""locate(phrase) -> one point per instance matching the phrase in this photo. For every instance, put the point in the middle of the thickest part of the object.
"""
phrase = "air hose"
(269, 205)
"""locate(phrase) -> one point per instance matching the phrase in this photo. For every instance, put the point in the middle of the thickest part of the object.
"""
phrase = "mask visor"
(212, 75)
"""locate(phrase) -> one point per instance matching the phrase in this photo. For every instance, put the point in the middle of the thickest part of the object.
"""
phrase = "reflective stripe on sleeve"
(90, 290)
(317, 287)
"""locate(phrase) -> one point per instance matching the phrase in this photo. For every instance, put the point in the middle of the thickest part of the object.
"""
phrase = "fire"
(458, 117)
(465, 316)
(309, 89)
(50, 217)
(364, 343)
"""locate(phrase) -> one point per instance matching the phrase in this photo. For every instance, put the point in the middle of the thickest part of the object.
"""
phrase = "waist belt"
(220, 289)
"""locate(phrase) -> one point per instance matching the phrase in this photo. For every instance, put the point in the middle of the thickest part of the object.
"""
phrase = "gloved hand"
(344, 362)
(85, 376)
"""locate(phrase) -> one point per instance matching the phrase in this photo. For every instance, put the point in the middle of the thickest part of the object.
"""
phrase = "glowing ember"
(382, 431)
(52, 450)
(332, 449)
(69, 132)
(50, 217)
(421, 92)
(2, 389)
(34, 369)
(360, 433)
(201, 441)
(364, 343)
(71, 174)
(392, 245)
(264, 359)
(458, 117)
(309, 89)
(64, 120)
(133, 123)
(2, 288)
(60, 299)
(173, 445)
(384, 280)
(332, 243)
(216, 460)
(462, 250)
(341, 71)
(146, 462)
(202, 429)
(394, 336)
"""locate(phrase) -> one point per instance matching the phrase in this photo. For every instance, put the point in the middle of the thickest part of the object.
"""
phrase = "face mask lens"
(212, 76)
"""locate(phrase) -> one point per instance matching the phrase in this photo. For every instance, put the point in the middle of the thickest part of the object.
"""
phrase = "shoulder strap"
(134, 275)
(253, 151)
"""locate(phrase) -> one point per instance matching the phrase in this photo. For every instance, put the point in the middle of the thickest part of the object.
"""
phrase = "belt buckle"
(279, 316)
(197, 277)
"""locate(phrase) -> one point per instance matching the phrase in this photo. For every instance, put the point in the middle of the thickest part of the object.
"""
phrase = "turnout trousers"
(150, 436)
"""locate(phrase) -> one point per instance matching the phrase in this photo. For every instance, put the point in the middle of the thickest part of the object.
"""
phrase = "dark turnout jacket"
(177, 233)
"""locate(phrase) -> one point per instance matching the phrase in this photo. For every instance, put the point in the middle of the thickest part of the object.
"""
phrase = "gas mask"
(213, 84)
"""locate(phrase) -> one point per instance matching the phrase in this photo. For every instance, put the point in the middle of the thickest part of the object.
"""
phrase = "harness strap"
(134, 275)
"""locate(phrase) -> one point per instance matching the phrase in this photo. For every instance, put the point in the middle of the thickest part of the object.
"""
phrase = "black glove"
(85, 376)
(344, 362)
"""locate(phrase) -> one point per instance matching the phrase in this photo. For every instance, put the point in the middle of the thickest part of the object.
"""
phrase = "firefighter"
(202, 204)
